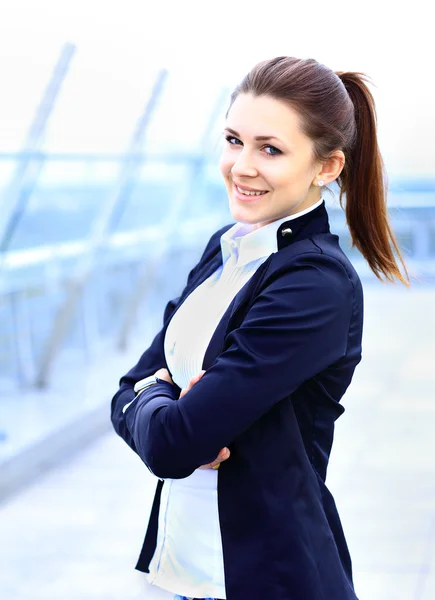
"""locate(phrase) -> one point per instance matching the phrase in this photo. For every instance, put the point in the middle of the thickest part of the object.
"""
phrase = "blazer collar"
(248, 244)
(312, 223)
(289, 232)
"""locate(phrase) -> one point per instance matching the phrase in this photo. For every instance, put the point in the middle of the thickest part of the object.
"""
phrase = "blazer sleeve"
(154, 357)
(296, 327)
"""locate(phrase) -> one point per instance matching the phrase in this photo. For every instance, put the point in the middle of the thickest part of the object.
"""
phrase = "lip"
(247, 188)
(243, 198)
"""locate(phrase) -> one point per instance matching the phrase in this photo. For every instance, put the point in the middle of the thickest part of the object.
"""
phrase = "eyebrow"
(258, 138)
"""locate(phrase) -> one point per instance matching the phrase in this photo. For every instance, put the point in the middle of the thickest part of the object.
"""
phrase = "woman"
(269, 327)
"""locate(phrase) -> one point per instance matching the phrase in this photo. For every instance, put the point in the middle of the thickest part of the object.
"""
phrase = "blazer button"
(286, 231)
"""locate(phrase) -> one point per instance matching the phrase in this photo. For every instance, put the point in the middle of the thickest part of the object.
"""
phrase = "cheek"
(289, 174)
(225, 165)
(280, 175)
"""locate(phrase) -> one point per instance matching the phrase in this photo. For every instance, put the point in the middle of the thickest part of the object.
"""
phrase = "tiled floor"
(74, 534)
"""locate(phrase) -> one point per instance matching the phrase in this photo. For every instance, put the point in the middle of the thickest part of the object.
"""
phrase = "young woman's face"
(280, 165)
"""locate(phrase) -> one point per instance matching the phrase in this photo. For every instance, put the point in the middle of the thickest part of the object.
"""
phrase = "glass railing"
(164, 217)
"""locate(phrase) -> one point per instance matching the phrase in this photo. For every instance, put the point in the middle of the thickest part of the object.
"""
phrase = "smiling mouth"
(249, 193)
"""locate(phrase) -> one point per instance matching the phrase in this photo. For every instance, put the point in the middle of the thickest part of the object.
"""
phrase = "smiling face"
(266, 151)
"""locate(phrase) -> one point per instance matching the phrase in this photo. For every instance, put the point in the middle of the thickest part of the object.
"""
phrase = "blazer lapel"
(309, 225)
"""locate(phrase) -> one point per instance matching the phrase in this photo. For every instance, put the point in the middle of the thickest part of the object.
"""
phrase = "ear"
(330, 169)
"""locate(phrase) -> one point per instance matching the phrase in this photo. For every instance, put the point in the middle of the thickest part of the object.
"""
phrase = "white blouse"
(188, 559)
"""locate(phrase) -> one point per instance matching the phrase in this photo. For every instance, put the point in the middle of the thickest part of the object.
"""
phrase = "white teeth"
(246, 193)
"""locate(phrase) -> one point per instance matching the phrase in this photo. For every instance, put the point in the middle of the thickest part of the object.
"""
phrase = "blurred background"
(111, 118)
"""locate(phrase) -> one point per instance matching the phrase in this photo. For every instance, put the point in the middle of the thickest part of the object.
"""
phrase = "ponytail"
(338, 112)
(363, 180)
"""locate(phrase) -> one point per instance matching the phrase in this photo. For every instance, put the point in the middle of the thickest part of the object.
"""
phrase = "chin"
(241, 217)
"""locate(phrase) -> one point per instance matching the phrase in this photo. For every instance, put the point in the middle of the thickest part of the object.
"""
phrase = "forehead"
(263, 115)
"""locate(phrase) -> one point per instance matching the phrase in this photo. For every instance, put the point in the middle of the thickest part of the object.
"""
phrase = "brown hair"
(338, 112)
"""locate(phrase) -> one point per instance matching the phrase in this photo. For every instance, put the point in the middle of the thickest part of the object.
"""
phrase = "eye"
(275, 151)
(233, 141)
(229, 139)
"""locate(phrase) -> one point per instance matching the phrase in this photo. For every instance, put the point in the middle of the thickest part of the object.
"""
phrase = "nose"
(244, 166)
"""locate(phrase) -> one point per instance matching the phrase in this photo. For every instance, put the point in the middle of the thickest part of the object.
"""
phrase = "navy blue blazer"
(277, 365)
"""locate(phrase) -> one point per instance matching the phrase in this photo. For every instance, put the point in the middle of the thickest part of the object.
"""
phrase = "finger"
(185, 390)
(223, 455)
(198, 377)
(191, 383)
(215, 463)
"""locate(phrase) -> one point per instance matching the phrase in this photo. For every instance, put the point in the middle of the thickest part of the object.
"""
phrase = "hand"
(224, 454)
(191, 383)
(164, 374)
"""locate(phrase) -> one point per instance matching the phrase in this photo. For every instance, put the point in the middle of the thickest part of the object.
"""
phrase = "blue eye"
(233, 141)
(231, 137)
(275, 152)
